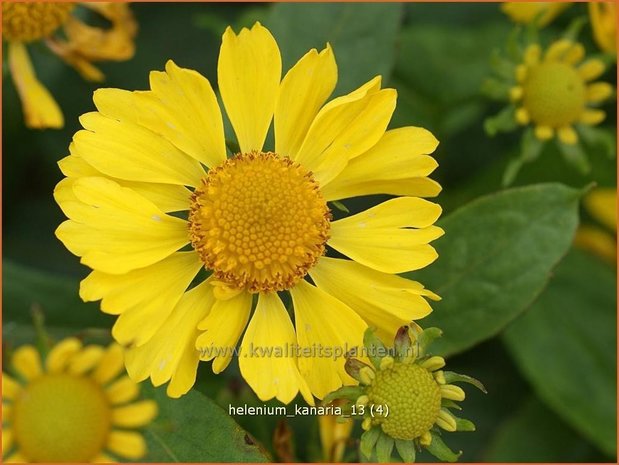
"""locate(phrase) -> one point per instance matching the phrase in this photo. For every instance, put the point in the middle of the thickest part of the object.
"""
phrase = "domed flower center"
(30, 21)
(61, 418)
(412, 396)
(554, 94)
(259, 222)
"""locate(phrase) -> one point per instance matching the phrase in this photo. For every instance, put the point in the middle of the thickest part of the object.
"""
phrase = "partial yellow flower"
(555, 92)
(72, 406)
(24, 23)
(601, 204)
(604, 24)
(153, 198)
(527, 12)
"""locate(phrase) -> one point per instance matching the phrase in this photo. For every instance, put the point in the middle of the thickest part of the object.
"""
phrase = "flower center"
(554, 94)
(30, 21)
(412, 397)
(259, 222)
(61, 418)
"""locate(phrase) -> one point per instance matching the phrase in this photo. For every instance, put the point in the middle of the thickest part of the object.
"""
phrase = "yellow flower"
(604, 23)
(601, 204)
(540, 12)
(404, 397)
(258, 222)
(72, 406)
(554, 91)
(27, 22)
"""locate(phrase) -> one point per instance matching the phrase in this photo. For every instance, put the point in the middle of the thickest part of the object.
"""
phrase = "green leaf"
(504, 121)
(194, 429)
(535, 434)
(495, 259)
(440, 450)
(451, 377)
(406, 449)
(363, 36)
(565, 345)
(375, 348)
(57, 297)
(576, 157)
(368, 441)
(384, 447)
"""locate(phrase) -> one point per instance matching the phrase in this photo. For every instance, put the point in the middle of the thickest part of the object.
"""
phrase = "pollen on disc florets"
(61, 418)
(29, 21)
(259, 222)
(413, 397)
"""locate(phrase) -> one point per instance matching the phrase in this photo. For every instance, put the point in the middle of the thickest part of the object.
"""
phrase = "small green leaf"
(600, 137)
(351, 393)
(531, 146)
(426, 338)
(368, 441)
(451, 377)
(440, 450)
(494, 260)
(384, 447)
(565, 345)
(504, 121)
(463, 424)
(406, 449)
(340, 206)
(376, 350)
(576, 157)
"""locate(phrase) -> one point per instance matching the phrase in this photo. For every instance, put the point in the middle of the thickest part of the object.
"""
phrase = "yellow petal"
(171, 354)
(167, 197)
(268, 361)
(134, 415)
(575, 54)
(324, 322)
(391, 237)
(398, 164)
(129, 445)
(27, 362)
(601, 204)
(599, 91)
(604, 23)
(540, 12)
(67, 54)
(10, 387)
(567, 135)
(144, 298)
(544, 132)
(597, 241)
(592, 116)
(61, 354)
(40, 109)
(86, 360)
(304, 89)
(183, 108)
(591, 69)
(249, 71)
(345, 128)
(384, 301)
(123, 390)
(93, 43)
(558, 50)
(128, 151)
(532, 54)
(522, 116)
(118, 230)
(222, 329)
(110, 366)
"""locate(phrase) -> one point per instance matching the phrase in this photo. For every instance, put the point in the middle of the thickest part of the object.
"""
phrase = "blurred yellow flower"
(258, 222)
(27, 22)
(72, 406)
(554, 91)
(601, 204)
(604, 23)
(334, 434)
(526, 12)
